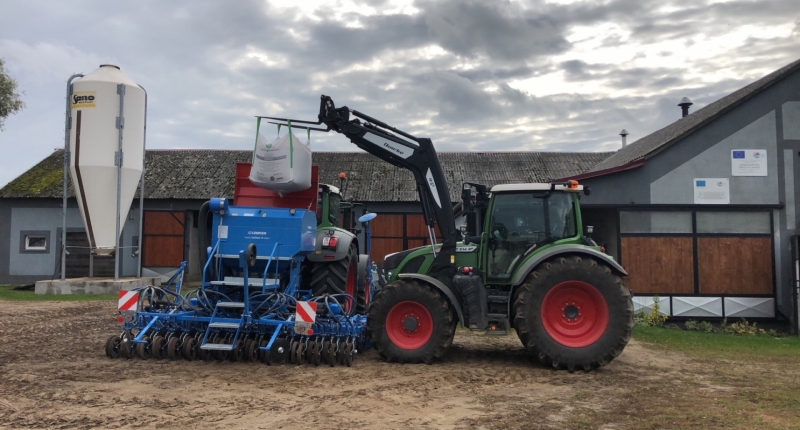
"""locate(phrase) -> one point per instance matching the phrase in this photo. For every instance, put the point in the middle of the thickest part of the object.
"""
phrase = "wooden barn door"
(397, 232)
(163, 238)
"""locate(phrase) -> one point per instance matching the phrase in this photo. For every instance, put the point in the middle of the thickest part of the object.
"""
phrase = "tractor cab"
(523, 218)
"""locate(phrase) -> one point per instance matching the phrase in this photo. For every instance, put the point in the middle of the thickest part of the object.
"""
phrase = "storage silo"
(96, 102)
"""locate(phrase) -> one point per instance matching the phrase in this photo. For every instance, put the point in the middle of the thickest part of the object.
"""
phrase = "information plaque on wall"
(712, 191)
(749, 162)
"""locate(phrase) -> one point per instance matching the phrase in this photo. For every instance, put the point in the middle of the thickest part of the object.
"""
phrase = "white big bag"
(284, 165)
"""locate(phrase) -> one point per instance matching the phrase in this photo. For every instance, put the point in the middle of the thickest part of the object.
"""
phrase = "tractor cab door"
(520, 222)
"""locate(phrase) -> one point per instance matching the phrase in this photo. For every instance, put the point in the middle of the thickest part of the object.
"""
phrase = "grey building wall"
(770, 120)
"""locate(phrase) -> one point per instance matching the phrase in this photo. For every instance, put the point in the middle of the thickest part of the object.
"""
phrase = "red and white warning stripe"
(306, 312)
(128, 300)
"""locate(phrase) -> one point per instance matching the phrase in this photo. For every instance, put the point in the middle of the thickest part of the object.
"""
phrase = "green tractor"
(523, 262)
(529, 267)
(336, 267)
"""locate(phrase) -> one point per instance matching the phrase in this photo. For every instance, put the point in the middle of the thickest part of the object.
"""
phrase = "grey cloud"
(498, 30)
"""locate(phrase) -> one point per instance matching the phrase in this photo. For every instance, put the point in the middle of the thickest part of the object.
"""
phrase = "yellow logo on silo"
(83, 99)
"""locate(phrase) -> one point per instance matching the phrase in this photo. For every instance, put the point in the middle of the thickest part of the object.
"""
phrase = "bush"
(741, 328)
(654, 319)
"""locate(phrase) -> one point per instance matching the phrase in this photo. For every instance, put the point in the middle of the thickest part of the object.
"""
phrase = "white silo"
(94, 143)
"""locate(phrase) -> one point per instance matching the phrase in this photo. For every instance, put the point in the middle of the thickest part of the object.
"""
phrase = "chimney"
(684, 104)
(624, 134)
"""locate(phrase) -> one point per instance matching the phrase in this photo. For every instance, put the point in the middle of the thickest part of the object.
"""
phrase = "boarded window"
(163, 239)
(655, 222)
(733, 222)
(659, 265)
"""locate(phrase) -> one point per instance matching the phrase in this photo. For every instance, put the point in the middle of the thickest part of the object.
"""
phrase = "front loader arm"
(406, 151)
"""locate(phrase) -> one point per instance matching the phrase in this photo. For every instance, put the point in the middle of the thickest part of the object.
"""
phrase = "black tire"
(112, 346)
(363, 289)
(331, 278)
(442, 327)
(529, 318)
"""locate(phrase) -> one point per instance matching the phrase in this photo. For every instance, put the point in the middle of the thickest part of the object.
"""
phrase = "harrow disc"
(125, 346)
(237, 353)
(348, 355)
(251, 351)
(293, 352)
(331, 354)
(326, 345)
(173, 348)
(316, 356)
(143, 349)
(112, 346)
(264, 355)
(280, 350)
(157, 350)
(190, 349)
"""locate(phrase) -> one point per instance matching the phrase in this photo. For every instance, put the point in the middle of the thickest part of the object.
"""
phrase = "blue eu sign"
(738, 154)
(700, 183)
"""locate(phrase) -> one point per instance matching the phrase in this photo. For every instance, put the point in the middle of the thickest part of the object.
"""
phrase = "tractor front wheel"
(409, 322)
(573, 313)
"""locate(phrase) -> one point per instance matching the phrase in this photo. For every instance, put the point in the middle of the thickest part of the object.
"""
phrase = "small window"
(35, 243)
(655, 222)
(733, 222)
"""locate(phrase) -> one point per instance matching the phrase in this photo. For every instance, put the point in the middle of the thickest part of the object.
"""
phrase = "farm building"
(702, 213)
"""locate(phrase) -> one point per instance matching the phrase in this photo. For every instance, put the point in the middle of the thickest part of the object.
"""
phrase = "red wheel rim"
(409, 325)
(350, 286)
(574, 314)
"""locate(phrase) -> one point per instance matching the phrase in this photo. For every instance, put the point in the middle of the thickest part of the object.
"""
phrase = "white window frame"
(29, 247)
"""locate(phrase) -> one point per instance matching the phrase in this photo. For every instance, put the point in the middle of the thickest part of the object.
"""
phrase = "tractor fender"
(526, 267)
(345, 238)
(435, 283)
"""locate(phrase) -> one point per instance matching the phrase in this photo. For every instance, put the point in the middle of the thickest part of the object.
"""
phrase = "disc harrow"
(235, 316)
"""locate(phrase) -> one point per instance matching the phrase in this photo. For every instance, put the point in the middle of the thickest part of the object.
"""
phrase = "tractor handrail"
(266, 269)
(205, 267)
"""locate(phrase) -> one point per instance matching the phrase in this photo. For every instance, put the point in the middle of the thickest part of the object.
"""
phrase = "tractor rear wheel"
(337, 277)
(409, 322)
(573, 313)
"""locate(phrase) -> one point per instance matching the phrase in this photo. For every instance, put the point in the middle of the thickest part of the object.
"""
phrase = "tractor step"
(230, 304)
(497, 299)
(223, 325)
(217, 347)
(497, 317)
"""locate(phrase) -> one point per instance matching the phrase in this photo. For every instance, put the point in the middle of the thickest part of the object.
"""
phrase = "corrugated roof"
(656, 142)
(201, 174)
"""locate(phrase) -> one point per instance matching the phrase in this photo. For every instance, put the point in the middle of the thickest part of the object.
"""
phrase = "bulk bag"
(283, 165)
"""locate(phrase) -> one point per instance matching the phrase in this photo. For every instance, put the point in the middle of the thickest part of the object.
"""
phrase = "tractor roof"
(537, 187)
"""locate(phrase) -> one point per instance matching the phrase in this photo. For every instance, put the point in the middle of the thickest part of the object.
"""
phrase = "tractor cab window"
(520, 222)
(334, 208)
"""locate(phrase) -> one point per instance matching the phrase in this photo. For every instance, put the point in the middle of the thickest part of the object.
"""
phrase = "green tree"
(9, 98)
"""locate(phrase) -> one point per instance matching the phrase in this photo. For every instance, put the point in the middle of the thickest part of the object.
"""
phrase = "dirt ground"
(54, 374)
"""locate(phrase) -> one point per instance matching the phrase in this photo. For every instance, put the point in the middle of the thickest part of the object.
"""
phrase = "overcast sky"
(473, 75)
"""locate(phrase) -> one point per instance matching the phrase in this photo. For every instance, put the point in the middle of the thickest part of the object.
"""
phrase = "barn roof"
(645, 148)
(201, 174)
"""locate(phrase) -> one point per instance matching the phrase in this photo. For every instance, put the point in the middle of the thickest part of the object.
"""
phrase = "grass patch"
(7, 292)
(721, 346)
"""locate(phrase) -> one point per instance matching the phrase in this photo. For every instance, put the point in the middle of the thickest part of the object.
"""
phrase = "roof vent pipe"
(684, 104)
(624, 134)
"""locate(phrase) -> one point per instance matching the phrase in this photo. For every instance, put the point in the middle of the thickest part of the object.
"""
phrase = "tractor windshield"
(520, 222)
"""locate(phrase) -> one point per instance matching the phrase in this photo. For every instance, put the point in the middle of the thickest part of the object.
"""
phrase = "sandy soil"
(54, 374)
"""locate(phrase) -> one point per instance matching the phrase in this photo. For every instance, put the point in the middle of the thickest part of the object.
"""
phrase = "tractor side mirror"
(587, 191)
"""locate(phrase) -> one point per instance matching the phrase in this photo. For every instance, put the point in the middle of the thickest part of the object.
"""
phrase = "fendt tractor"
(281, 284)
(524, 262)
